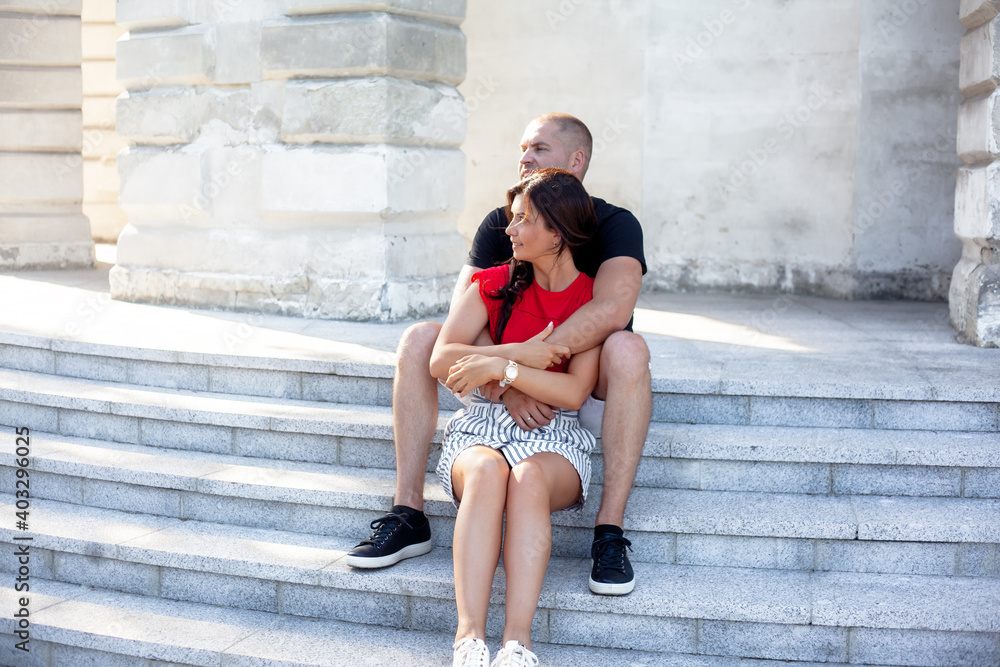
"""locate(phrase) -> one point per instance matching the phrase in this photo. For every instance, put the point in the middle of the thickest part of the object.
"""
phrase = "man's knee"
(417, 343)
(625, 356)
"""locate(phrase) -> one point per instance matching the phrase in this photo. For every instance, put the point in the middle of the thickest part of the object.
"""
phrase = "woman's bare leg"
(536, 487)
(479, 480)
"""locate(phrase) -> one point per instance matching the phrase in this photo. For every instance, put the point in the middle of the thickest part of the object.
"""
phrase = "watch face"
(510, 373)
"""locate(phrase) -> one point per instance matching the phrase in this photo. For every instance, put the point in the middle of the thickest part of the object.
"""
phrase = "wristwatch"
(509, 373)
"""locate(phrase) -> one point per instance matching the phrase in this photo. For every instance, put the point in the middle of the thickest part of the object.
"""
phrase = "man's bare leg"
(625, 386)
(414, 411)
(404, 532)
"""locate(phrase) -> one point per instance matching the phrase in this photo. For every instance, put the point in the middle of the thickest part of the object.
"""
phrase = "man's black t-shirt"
(618, 234)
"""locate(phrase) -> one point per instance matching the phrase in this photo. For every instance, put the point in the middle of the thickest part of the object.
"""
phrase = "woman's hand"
(473, 371)
(535, 352)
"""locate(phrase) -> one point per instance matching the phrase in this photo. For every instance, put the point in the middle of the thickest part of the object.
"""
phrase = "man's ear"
(576, 161)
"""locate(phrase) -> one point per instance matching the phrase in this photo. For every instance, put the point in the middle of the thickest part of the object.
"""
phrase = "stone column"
(100, 141)
(291, 156)
(42, 225)
(975, 285)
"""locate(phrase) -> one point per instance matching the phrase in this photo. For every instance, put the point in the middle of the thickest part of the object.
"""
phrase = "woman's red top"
(535, 308)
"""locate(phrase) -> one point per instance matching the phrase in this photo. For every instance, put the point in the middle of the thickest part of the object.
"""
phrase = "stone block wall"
(975, 285)
(291, 156)
(41, 169)
(101, 142)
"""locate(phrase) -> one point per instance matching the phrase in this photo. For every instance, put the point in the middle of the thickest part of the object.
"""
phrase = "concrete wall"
(904, 240)
(751, 128)
(100, 141)
(526, 57)
(764, 144)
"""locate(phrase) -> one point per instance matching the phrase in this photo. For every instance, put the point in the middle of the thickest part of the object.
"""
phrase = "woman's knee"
(528, 475)
(539, 476)
(545, 480)
(625, 355)
(483, 467)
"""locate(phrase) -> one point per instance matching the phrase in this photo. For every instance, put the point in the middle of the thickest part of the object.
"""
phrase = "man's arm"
(616, 291)
(462, 333)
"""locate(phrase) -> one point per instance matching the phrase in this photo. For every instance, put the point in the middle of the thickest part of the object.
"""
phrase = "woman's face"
(528, 234)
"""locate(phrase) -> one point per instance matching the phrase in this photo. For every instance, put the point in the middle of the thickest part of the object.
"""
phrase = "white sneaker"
(513, 654)
(471, 653)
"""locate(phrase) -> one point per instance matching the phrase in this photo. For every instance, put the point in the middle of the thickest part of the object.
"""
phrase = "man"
(616, 261)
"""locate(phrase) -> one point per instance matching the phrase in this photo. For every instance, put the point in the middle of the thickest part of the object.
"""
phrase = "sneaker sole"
(385, 561)
(611, 589)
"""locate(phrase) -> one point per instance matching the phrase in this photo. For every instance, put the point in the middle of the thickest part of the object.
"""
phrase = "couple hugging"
(539, 338)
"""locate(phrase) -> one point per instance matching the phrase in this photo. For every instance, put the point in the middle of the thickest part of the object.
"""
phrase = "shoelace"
(609, 550)
(382, 529)
(514, 654)
(472, 653)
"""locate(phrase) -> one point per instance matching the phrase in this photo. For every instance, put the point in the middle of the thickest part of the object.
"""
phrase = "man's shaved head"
(573, 134)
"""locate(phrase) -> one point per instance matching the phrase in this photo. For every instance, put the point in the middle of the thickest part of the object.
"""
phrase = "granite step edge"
(651, 509)
(373, 363)
(98, 625)
(86, 360)
(666, 591)
(181, 468)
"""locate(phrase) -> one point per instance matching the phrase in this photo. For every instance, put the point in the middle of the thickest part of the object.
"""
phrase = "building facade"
(325, 159)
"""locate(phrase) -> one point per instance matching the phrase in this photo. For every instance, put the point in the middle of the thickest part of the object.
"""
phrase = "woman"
(488, 463)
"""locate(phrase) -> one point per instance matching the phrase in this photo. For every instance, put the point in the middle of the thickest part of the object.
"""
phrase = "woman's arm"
(462, 285)
(562, 390)
(466, 320)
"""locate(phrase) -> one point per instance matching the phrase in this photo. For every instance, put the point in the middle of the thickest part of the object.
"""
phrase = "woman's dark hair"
(564, 207)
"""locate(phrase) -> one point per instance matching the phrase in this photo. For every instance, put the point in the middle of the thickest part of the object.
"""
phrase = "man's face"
(542, 148)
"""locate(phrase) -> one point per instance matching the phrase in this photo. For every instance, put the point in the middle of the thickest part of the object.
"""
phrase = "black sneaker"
(612, 573)
(402, 533)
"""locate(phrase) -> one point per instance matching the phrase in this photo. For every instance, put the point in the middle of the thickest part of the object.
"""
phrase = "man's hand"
(538, 354)
(473, 371)
(528, 413)
(492, 391)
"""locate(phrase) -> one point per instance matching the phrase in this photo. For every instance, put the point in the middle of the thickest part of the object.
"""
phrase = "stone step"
(827, 412)
(768, 530)
(681, 609)
(356, 374)
(204, 421)
(73, 625)
(710, 457)
(337, 372)
(821, 460)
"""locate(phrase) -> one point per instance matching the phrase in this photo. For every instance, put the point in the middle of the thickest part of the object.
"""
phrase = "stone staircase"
(194, 509)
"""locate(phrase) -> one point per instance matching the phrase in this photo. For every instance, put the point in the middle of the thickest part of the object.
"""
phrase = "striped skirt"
(486, 423)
